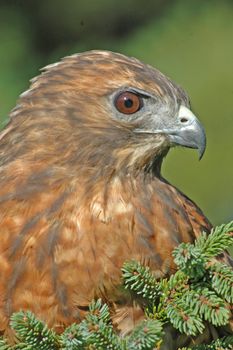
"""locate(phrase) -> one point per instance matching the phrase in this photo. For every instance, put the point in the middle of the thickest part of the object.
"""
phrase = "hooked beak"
(190, 132)
(184, 130)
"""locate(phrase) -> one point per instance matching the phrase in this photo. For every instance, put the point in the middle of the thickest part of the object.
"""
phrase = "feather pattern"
(81, 192)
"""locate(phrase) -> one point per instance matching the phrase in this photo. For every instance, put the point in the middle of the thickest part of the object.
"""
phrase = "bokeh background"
(189, 40)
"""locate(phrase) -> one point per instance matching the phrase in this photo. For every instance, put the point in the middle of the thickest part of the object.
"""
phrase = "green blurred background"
(189, 40)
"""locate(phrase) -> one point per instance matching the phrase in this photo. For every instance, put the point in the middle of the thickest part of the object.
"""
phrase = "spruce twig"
(141, 280)
(97, 329)
(224, 343)
(217, 241)
(32, 332)
(200, 291)
(222, 280)
(145, 336)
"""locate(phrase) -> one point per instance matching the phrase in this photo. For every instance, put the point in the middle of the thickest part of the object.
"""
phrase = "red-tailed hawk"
(81, 188)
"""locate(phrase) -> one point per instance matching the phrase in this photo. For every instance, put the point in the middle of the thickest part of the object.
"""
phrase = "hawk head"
(103, 110)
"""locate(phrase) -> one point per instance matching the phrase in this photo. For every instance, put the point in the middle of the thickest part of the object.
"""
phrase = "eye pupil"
(128, 102)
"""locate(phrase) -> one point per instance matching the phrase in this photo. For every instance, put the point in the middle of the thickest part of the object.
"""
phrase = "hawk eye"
(128, 102)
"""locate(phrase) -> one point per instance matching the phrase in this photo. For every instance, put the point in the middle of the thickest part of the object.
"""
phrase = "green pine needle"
(184, 318)
(145, 336)
(99, 311)
(217, 241)
(178, 282)
(208, 305)
(222, 280)
(72, 338)
(225, 343)
(190, 260)
(4, 345)
(33, 332)
(97, 329)
(140, 279)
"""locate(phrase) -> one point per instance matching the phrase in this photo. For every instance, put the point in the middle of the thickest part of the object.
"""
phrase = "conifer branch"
(97, 330)
(32, 332)
(192, 258)
(183, 318)
(141, 280)
(208, 305)
(220, 239)
(224, 343)
(222, 280)
(145, 336)
(200, 291)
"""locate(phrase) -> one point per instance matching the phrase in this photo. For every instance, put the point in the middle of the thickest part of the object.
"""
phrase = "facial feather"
(81, 189)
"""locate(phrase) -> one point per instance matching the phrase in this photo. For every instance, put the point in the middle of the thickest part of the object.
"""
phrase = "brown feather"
(80, 194)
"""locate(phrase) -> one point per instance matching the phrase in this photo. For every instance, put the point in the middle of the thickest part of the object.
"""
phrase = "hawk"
(81, 187)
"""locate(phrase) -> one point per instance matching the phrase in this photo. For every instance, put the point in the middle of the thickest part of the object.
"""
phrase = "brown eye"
(128, 102)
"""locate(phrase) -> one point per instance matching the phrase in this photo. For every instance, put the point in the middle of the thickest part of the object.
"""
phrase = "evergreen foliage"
(200, 291)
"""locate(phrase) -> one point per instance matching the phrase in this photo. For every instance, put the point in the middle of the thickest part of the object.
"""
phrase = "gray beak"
(184, 130)
(190, 132)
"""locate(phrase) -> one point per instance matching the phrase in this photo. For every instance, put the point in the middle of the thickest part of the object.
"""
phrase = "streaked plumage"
(81, 189)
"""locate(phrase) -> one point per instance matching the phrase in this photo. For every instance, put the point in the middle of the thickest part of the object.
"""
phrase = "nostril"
(184, 120)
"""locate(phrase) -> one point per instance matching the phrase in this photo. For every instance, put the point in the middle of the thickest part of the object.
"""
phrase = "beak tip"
(202, 146)
(200, 155)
